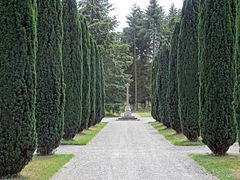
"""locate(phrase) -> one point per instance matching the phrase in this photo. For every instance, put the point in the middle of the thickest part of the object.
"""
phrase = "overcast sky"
(123, 8)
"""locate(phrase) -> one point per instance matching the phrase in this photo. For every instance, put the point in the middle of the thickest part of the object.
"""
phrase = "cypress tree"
(162, 83)
(50, 78)
(93, 84)
(98, 86)
(86, 74)
(18, 42)
(237, 73)
(172, 93)
(154, 98)
(216, 42)
(72, 66)
(102, 87)
(187, 68)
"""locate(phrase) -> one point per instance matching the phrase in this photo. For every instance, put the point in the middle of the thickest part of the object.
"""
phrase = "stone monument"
(127, 114)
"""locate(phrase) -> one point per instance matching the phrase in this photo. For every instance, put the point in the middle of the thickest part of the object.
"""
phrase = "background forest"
(128, 55)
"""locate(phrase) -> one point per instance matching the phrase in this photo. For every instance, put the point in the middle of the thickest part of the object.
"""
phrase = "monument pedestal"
(128, 115)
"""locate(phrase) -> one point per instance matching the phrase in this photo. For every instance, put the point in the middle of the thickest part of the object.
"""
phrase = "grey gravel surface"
(132, 150)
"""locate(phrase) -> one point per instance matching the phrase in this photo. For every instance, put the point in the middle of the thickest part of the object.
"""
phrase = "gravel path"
(132, 150)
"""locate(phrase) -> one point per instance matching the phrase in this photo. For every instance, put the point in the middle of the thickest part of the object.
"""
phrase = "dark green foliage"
(86, 74)
(187, 68)
(237, 73)
(93, 84)
(172, 93)
(115, 65)
(50, 78)
(154, 98)
(98, 86)
(102, 87)
(18, 42)
(162, 83)
(154, 25)
(216, 42)
(72, 66)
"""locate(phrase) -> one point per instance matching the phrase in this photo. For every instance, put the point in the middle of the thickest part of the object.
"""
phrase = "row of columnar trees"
(51, 83)
(202, 89)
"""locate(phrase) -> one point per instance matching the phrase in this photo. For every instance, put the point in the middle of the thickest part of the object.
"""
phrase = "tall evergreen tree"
(155, 24)
(98, 86)
(162, 83)
(216, 42)
(237, 73)
(115, 66)
(86, 74)
(18, 42)
(99, 21)
(93, 84)
(172, 18)
(50, 78)
(72, 66)
(136, 36)
(102, 87)
(188, 83)
(154, 98)
(172, 93)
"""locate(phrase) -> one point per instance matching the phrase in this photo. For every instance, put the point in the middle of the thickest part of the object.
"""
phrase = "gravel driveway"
(131, 150)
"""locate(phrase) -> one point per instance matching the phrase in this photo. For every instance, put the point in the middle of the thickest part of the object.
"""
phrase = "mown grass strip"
(86, 136)
(144, 114)
(43, 167)
(224, 167)
(170, 135)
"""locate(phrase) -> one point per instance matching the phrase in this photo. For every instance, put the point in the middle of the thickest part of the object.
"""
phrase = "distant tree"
(216, 64)
(99, 21)
(115, 65)
(172, 93)
(154, 23)
(135, 35)
(114, 53)
(172, 18)
(50, 78)
(86, 74)
(72, 65)
(18, 45)
(187, 68)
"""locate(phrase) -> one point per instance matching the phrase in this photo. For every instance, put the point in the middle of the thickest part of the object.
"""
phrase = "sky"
(123, 8)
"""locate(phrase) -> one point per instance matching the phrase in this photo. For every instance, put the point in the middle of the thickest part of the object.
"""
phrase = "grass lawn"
(170, 135)
(86, 136)
(108, 114)
(144, 114)
(225, 167)
(43, 167)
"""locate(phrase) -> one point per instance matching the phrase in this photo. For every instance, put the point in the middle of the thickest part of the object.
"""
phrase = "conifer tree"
(172, 93)
(86, 74)
(98, 86)
(216, 42)
(154, 98)
(50, 78)
(72, 66)
(237, 73)
(18, 42)
(162, 82)
(93, 84)
(102, 87)
(187, 68)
